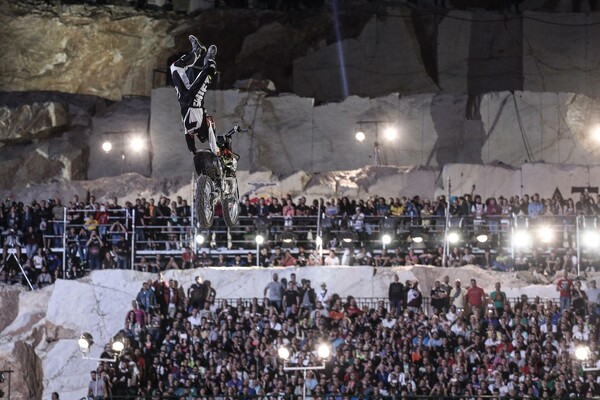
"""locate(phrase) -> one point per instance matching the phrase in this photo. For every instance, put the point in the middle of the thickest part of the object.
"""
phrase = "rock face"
(326, 54)
(39, 343)
(31, 122)
(291, 133)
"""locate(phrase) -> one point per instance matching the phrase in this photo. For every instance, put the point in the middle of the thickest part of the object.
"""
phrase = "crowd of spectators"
(187, 345)
(98, 234)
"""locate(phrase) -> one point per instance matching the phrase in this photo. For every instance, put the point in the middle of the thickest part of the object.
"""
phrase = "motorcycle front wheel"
(231, 203)
(204, 205)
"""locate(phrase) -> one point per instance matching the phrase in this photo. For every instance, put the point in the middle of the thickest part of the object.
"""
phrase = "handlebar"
(236, 128)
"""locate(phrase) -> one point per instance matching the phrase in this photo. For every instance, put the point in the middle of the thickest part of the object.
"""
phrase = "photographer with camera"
(12, 240)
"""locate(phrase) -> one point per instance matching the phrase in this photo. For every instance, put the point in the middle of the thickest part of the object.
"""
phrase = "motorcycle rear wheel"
(204, 204)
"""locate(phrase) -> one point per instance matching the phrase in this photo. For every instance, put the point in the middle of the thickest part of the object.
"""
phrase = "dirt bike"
(217, 182)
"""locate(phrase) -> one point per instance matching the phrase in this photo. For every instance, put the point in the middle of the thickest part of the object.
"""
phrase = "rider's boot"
(197, 48)
(210, 54)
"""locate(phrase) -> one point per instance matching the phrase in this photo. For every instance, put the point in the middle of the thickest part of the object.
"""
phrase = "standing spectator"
(291, 298)
(146, 298)
(58, 226)
(197, 293)
(94, 246)
(307, 296)
(97, 387)
(535, 207)
(414, 298)
(498, 298)
(475, 297)
(324, 296)
(438, 298)
(447, 288)
(275, 291)
(396, 295)
(564, 286)
(32, 240)
(211, 294)
(593, 295)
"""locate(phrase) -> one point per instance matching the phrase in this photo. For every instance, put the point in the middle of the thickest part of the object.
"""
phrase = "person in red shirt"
(475, 297)
(563, 287)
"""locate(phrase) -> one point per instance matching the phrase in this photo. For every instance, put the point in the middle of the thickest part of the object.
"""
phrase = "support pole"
(64, 244)
(577, 238)
(447, 227)
(133, 239)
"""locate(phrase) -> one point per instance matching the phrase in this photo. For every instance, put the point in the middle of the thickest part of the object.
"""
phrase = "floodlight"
(346, 238)
(390, 133)
(323, 351)
(453, 237)
(284, 353)
(521, 239)
(360, 136)
(582, 352)
(546, 234)
(417, 235)
(591, 239)
(199, 239)
(386, 239)
(84, 342)
(137, 143)
(118, 345)
(481, 237)
(287, 239)
(107, 146)
(595, 132)
(259, 239)
(417, 239)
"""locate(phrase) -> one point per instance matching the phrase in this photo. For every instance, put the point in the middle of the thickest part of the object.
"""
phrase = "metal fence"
(143, 242)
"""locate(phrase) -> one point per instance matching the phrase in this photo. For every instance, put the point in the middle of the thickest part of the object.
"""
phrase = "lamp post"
(323, 351)
(86, 341)
(136, 144)
(390, 134)
(582, 354)
(259, 240)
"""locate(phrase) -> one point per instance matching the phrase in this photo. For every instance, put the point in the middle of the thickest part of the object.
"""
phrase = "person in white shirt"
(195, 319)
(331, 259)
(324, 296)
(388, 322)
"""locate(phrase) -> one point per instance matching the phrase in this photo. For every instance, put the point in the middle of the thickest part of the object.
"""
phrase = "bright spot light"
(319, 240)
(118, 346)
(521, 239)
(347, 240)
(482, 238)
(582, 353)
(107, 146)
(199, 239)
(390, 133)
(453, 237)
(418, 239)
(591, 239)
(360, 136)
(137, 143)
(259, 239)
(323, 351)
(546, 234)
(595, 132)
(386, 239)
(284, 353)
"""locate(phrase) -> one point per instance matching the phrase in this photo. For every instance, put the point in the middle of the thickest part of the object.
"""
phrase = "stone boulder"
(32, 122)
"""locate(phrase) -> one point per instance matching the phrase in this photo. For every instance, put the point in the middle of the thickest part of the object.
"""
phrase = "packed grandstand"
(456, 341)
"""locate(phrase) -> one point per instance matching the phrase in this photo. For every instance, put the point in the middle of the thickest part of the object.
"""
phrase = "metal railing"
(134, 237)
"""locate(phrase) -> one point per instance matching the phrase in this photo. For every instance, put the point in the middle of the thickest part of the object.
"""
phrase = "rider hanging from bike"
(191, 88)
